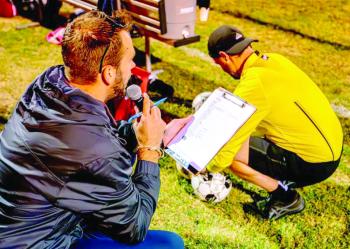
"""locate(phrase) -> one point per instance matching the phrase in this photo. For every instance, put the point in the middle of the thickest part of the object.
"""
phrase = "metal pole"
(119, 5)
(148, 53)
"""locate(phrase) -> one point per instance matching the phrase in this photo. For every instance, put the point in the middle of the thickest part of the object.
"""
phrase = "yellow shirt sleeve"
(250, 90)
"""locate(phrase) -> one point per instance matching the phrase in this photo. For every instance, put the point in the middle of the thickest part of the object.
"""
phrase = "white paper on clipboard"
(217, 120)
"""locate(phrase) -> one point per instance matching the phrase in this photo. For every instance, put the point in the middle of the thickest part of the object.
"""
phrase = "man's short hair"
(86, 39)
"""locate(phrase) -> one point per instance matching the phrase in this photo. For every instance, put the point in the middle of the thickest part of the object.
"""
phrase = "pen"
(139, 114)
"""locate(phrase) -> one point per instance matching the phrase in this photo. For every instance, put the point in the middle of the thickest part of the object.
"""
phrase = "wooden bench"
(149, 16)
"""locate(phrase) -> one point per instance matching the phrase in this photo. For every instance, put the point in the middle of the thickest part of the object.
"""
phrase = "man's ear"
(108, 75)
(224, 55)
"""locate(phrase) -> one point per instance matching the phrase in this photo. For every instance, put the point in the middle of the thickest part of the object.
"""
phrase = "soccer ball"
(199, 100)
(211, 187)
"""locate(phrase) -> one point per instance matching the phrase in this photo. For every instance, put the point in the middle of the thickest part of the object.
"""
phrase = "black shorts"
(284, 165)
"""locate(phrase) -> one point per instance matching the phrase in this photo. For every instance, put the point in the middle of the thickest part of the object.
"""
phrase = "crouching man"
(300, 137)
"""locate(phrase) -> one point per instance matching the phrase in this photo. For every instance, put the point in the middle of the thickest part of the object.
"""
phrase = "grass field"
(324, 21)
(318, 46)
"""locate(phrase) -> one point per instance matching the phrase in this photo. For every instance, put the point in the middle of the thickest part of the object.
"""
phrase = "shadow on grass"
(185, 82)
(140, 58)
(254, 195)
(181, 101)
(241, 15)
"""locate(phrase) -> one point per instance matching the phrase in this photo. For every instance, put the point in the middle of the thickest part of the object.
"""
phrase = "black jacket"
(64, 168)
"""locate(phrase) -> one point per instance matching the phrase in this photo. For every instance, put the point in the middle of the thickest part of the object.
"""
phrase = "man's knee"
(167, 240)
(175, 241)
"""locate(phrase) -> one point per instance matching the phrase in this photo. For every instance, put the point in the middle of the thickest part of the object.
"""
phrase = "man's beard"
(118, 89)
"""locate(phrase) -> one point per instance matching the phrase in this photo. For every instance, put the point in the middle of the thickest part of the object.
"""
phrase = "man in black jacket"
(65, 174)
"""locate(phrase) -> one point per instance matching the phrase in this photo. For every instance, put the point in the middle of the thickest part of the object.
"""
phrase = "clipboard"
(211, 127)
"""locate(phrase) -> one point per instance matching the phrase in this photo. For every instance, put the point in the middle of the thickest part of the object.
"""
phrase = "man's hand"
(149, 130)
(174, 127)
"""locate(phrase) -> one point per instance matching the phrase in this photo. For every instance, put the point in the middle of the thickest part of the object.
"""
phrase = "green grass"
(325, 223)
(327, 21)
(24, 54)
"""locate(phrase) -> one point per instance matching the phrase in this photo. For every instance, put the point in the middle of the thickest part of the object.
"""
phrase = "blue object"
(154, 239)
(107, 6)
(139, 114)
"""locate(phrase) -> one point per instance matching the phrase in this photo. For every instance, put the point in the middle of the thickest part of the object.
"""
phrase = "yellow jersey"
(292, 112)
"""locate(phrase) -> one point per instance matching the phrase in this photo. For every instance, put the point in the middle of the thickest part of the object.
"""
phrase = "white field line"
(197, 53)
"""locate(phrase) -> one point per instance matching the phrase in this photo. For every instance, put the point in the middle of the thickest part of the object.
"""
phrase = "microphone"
(135, 94)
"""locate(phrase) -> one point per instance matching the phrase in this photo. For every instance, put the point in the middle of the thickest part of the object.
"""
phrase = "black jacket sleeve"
(118, 204)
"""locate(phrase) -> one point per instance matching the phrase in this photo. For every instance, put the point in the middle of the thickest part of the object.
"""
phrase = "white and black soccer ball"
(199, 100)
(211, 187)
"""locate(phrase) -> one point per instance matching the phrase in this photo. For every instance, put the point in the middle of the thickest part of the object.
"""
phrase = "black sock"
(283, 192)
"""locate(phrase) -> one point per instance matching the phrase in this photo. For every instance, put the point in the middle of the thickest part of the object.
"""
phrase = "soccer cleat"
(277, 208)
(273, 209)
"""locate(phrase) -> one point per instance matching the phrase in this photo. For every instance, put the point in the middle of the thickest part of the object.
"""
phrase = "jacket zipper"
(315, 127)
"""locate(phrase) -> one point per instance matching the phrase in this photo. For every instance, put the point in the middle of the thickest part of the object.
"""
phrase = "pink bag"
(55, 36)
(7, 9)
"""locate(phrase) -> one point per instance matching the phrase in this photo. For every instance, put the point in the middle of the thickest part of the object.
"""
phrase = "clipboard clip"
(234, 99)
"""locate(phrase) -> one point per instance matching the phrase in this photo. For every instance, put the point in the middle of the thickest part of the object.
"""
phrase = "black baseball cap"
(227, 39)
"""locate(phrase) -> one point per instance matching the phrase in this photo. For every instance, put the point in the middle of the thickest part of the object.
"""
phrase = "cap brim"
(239, 47)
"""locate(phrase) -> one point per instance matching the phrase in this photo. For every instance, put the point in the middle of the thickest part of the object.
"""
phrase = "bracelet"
(157, 149)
